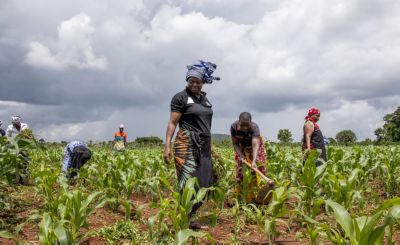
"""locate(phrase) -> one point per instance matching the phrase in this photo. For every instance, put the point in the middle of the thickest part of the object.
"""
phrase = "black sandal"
(194, 225)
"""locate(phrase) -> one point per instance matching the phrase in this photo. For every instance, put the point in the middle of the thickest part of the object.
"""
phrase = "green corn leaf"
(6, 234)
(183, 235)
(317, 206)
(395, 212)
(369, 226)
(104, 201)
(378, 234)
(201, 194)
(389, 203)
(128, 209)
(353, 176)
(89, 199)
(63, 236)
(46, 223)
(344, 219)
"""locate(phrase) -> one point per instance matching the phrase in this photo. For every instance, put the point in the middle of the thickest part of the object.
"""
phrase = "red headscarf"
(312, 111)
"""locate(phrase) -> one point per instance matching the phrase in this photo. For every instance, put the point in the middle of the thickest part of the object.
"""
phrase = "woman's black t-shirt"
(245, 138)
(196, 112)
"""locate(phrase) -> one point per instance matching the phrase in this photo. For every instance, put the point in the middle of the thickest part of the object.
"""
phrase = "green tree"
(285, 136)
(332, 141)
(367, 141)
(380, 135)
(390, 132)
(392, 126)
(150, 140)
(346, 137)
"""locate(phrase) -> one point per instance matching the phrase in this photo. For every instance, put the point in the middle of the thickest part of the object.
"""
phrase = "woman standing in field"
(192, 147)
(312, 135)
(120, 140)
(248, 145)
(16, 127)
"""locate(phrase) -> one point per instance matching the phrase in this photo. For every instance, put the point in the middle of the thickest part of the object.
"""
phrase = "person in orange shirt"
(120, 140)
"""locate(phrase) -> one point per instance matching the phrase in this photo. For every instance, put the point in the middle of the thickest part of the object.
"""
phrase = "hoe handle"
(257, 171)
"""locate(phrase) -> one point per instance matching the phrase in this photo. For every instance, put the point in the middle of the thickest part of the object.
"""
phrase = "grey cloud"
(272, 57)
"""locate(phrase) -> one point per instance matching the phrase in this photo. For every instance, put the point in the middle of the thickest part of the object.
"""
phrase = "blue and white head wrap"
(202, 70)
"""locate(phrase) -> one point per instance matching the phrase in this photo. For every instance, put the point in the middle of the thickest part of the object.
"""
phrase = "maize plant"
(309, 178)
(342, 188)
(365, 230)
(277, 210)
(390, 171)
(54, 232)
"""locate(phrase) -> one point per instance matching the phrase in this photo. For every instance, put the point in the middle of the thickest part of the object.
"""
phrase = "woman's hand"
(306, 152)
(167, 155)
(254, 165)
(173, 121)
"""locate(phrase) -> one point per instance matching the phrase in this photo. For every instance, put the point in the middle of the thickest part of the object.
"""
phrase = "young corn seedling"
(54, 232)
(390, 170)
(343, 189)
(277, 210)
(309, 178)
(367, 230)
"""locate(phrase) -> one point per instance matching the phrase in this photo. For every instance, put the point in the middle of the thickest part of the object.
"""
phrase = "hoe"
(264, 196)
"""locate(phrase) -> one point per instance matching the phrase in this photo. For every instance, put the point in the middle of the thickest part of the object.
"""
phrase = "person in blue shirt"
(76, 154)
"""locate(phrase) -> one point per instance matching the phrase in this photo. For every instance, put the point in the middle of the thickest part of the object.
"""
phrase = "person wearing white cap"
(16, 126)
(2, 132)
(120, 140)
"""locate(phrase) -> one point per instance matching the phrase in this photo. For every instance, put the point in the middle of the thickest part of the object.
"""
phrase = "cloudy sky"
(77, 69)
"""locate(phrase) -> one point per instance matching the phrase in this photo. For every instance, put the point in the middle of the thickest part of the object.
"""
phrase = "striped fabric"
(185, 159)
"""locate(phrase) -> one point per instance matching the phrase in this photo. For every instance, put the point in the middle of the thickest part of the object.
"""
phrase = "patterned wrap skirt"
(192, 155)
(261, 160)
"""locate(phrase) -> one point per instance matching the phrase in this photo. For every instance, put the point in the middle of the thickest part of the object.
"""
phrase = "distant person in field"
(248, 145)
(312, 135)
(16, 127)
(2, 132)
(192, 110)
(76, 154)
(120, 140)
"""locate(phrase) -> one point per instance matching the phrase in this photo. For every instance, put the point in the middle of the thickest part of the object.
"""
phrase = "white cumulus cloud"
(73, 48)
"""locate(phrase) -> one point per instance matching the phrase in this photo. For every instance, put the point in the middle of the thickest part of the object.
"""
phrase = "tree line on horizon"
(389, 133)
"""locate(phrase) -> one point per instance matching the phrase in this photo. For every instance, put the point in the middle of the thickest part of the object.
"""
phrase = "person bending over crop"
(120, 140)
(76, 154)
(192, 147)
(248, 145)
(312, 135)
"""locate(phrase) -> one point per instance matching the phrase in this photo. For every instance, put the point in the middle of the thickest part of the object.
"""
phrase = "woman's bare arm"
(308, 130)
(172, 123)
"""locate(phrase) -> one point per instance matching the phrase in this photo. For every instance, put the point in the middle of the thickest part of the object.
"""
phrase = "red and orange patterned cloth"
(312, 111)
(247, 151)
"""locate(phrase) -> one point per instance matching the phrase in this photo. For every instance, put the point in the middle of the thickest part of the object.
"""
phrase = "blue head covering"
(202, 70)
